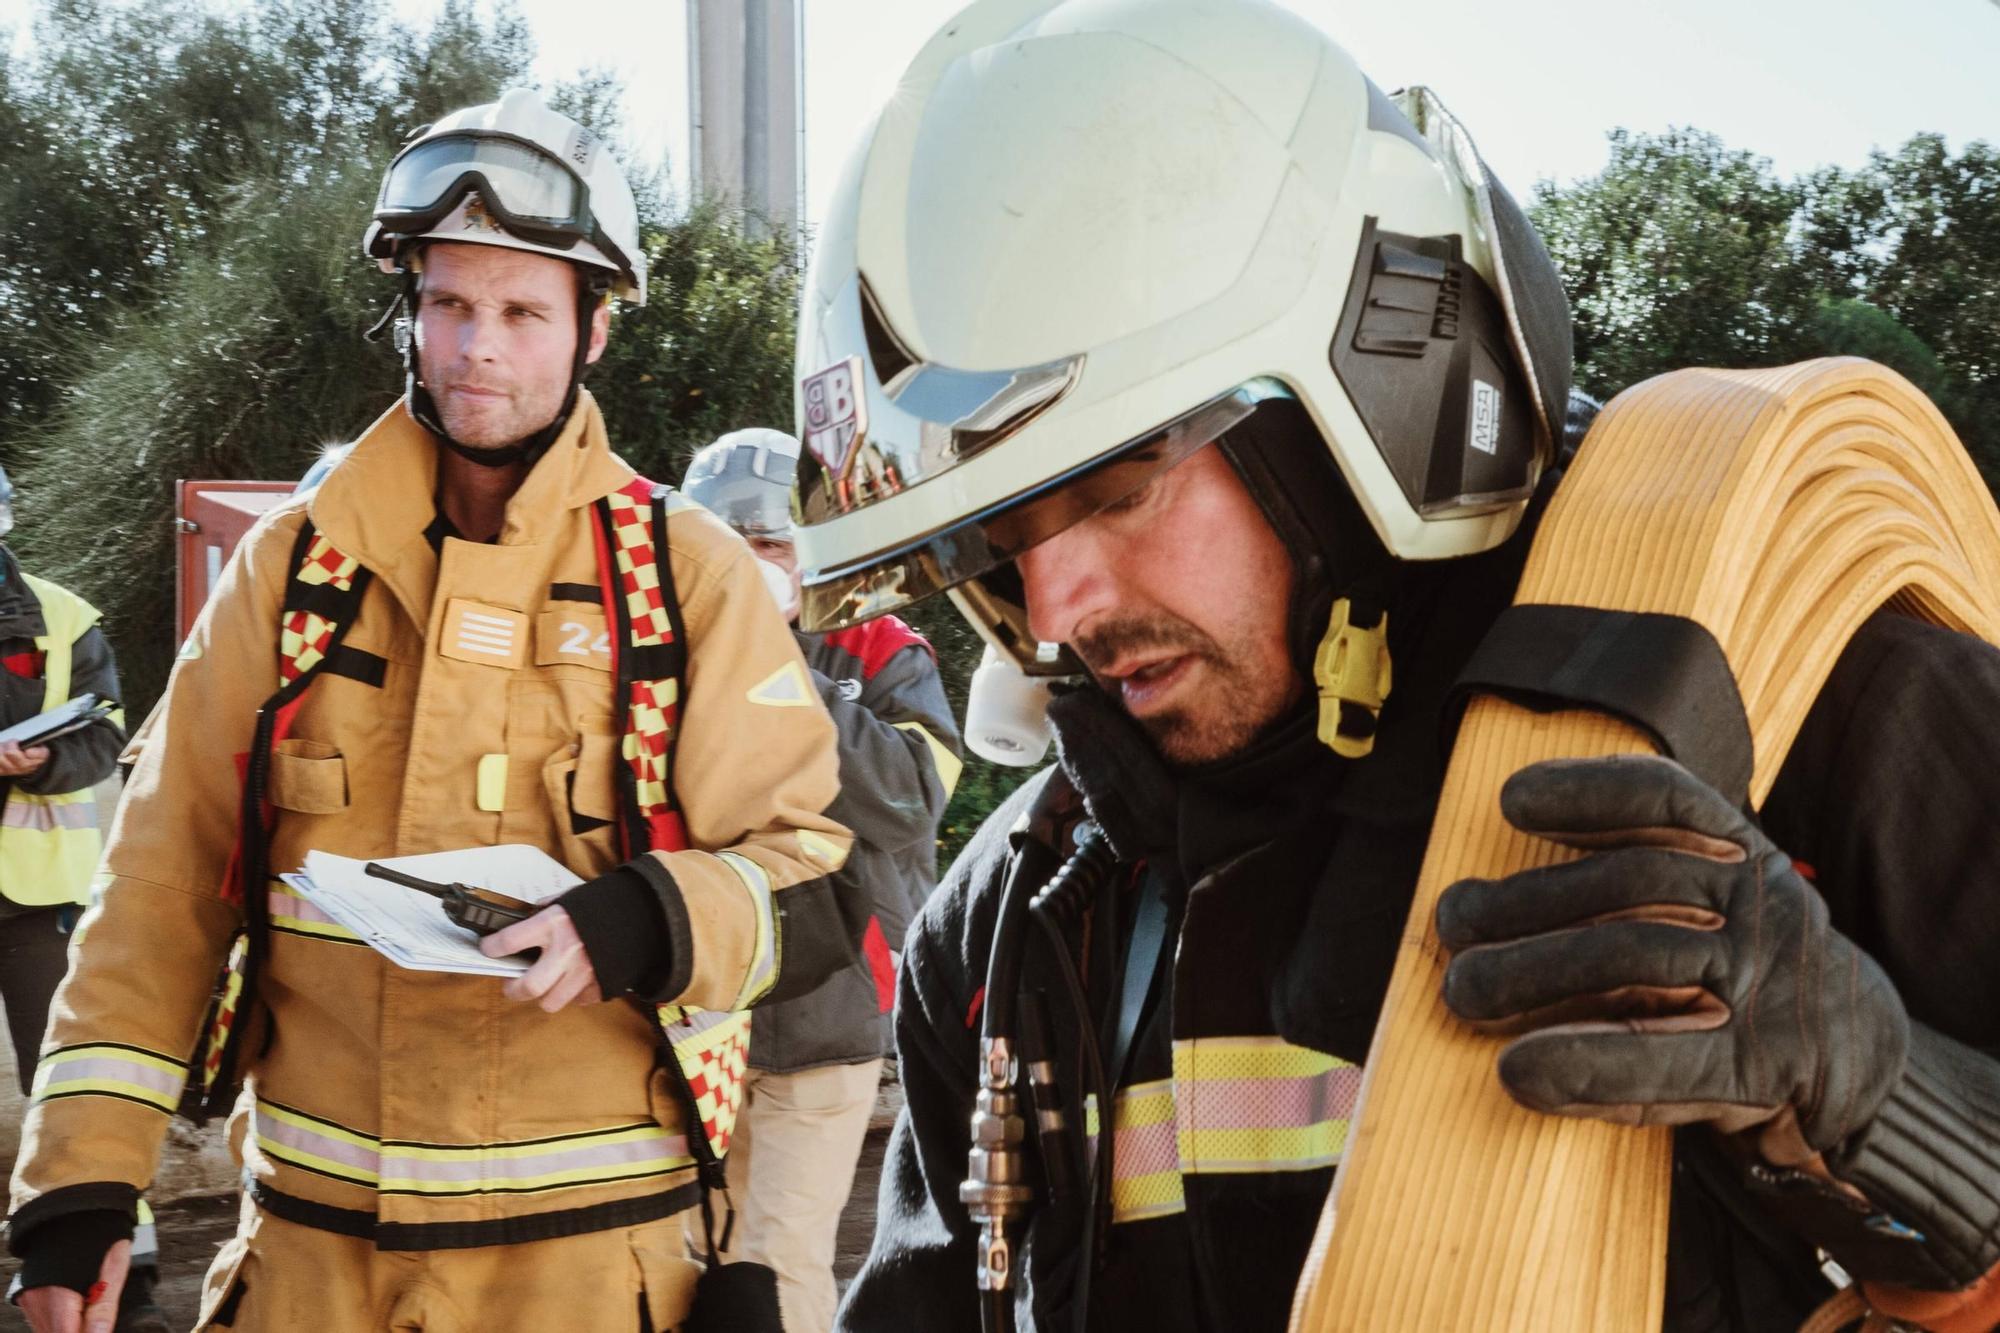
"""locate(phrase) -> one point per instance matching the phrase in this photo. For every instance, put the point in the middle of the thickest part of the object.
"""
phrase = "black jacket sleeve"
(1888, 798)
(83, 758)
(921, 1267)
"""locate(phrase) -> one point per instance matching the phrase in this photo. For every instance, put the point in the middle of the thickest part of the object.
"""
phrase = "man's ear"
(600, 331)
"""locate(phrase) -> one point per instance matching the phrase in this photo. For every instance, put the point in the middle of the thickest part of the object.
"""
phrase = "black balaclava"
(590, 290)
(1437, 609)
(1335, 553)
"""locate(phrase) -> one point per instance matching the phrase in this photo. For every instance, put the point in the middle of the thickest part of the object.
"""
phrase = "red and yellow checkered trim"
(654, 705)
(712, 1048)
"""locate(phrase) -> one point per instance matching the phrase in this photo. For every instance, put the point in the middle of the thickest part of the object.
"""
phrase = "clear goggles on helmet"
(748, 486)
(754, 506)
(990, 539)
(530, 192)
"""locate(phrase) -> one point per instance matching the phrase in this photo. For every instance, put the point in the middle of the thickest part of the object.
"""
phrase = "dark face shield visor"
(530, 193)
(986, 541)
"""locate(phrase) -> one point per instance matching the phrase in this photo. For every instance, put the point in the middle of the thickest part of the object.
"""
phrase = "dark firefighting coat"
(1290, 875)
(899, 760)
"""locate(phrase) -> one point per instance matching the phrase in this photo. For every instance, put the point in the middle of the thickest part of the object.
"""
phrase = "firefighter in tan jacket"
(464, 637)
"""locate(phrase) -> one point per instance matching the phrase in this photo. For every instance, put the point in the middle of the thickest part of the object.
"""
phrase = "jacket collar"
(1199, 818)
(376, 505)
(20, 610)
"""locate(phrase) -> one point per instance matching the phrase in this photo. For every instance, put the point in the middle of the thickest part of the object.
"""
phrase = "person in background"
(815, 1061)
(53, 650)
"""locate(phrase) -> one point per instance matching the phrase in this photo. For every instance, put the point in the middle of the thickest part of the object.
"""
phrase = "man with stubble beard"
(481, 628)
(1209, 377)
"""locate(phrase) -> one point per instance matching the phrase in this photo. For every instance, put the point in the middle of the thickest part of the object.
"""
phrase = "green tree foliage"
(132, 131)
(1676, 254)
(1684, 252)
(217, 331)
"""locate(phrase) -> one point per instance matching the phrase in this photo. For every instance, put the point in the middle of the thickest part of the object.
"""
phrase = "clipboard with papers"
(408, 927)
(73, 715)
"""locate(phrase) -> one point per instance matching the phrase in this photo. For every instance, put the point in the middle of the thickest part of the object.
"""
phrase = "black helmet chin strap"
(402, 313)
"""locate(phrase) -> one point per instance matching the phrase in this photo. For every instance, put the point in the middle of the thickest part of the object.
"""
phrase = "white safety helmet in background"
(745, 479)
(6, 503)
(517, 174)
(1086, 238)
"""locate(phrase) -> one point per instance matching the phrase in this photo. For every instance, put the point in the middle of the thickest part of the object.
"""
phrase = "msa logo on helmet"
(1485, 417)
(1423, 352)
(836, 416)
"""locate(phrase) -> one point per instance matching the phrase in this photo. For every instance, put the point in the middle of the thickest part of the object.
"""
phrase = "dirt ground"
(192, 1229)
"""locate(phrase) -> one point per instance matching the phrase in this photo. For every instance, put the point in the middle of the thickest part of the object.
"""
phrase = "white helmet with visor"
(517, 174)
(745, 479)
(1087, 238)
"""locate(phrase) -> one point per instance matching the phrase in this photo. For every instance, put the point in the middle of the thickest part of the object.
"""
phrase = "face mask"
(778, 582)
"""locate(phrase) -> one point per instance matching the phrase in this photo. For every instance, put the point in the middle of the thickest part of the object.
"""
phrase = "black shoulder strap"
(1664, 674)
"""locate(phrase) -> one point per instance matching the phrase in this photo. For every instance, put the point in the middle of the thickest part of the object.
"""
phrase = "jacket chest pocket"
(580, 783)
(308, 777)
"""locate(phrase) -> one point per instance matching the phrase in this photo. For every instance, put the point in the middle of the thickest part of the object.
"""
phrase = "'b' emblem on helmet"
(836, 416)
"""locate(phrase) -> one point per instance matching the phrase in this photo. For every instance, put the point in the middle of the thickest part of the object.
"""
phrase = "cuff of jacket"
(1930, 1158)
(634, 927)
(61, 1237)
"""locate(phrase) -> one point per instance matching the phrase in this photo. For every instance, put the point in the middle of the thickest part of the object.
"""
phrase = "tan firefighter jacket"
(450, 1114)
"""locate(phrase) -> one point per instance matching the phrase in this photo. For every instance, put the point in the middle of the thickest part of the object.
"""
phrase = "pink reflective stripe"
(512, 1165)
(105, 1070)
(43, 816)
(592, 1157)
(284, 902)
(1269, 1103)
(1144, 1149)
(285, 1135)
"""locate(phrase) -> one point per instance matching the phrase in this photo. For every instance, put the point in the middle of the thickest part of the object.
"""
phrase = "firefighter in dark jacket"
(1190, 362)
(815, 1061)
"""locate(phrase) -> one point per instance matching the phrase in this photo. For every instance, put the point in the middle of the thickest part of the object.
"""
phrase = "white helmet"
(745, 479)
(517, 174)
(1086, 238)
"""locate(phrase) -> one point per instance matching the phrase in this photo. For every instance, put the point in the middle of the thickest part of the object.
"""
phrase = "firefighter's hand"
(60, 1310)
(562, 975)
(16, 762)
(1682, 972)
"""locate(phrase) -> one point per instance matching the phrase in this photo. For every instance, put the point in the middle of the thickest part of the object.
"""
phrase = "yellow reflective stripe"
(1248, 1057)
(821, 849)
(1236, 1151)
(762, 973)
(1236, 1105)
(949, 765)
(106, 1069)
(1248, 1104)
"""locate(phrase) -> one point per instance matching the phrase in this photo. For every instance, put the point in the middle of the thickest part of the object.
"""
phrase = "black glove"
(1683, 972)
(634, 929)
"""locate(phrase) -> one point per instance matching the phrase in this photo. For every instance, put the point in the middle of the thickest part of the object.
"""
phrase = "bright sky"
(1804, 82)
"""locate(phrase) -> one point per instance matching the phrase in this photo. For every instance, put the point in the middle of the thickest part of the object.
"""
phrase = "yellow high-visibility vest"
(49, 845)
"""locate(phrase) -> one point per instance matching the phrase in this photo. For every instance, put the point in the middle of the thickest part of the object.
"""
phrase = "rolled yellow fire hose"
(1779, 509)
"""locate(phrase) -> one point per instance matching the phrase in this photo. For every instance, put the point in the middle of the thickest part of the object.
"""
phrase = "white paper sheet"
(409, 927)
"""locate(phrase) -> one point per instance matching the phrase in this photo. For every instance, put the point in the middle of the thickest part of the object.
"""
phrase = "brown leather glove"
(1682, 972)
